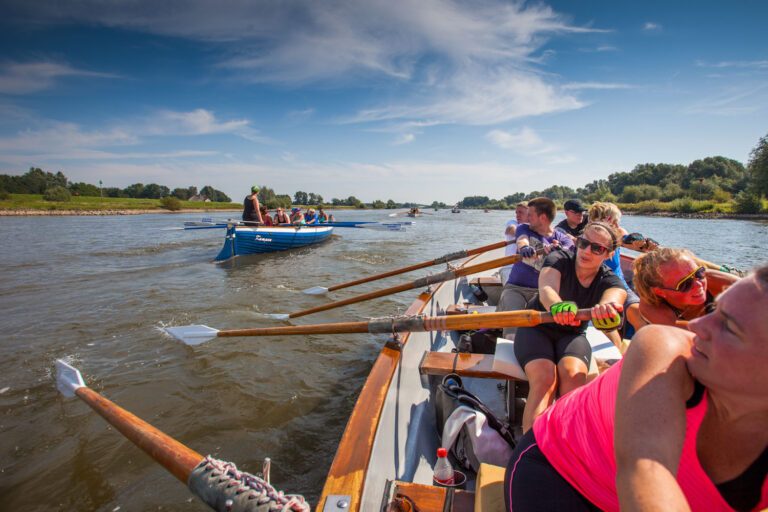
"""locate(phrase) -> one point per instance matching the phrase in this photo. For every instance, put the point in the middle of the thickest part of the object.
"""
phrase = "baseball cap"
(574, 205)
(254, 188)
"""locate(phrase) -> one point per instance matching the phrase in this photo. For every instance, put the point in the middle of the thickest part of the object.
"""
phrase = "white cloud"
(405, 138)
(578, 86)
(748, 64)
(650, 26)
(524, 141)
(734, 101)
(30, 77)
(471, 63)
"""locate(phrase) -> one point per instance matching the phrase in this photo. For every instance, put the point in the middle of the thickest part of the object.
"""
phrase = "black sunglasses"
(686, 283)
(583, 243)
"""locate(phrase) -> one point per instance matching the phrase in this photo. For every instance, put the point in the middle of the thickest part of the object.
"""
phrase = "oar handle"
(418, 266)
(177, 458)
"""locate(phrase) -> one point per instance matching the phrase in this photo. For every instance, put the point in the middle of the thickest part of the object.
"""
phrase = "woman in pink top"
(681, 423)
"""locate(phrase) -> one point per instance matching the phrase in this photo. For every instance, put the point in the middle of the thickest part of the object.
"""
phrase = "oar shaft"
(330, 328)
(177, 458)
(418, 283)
(418, 266)
(522, 318)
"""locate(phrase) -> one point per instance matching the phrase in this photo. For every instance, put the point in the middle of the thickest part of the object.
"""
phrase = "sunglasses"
(686, 283)
(583, 243)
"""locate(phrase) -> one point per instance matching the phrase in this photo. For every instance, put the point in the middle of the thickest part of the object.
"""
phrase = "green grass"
(36, 202)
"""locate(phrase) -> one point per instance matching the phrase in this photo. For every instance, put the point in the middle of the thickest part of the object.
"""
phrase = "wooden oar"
(197, 334)
(203, 475)
(320, 290)
(418, 283)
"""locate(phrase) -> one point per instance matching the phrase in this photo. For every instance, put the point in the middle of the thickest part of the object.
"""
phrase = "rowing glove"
(527, 252)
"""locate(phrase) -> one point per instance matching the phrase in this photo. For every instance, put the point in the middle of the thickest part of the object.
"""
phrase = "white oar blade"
(316, 290)
(68, 379)
(192, 334)
(278, 316)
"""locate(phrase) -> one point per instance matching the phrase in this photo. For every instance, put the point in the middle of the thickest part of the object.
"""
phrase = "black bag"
(495, 443)
(482, 341)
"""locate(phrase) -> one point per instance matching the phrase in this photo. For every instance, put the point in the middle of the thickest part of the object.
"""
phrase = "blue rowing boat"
(241, 240)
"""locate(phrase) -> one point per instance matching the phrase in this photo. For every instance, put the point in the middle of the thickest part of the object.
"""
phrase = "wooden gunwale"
(347, 473)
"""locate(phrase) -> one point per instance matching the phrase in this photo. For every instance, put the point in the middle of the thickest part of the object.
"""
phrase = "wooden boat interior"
(391, 439)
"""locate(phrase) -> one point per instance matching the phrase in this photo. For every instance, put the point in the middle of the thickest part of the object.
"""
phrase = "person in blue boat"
(265, 216)
(281, 217)
(322, 217)
(310, 217)
(297, 218)
(251, 206)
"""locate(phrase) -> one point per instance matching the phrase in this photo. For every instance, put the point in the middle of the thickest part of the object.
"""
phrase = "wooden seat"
(466, 365)
(430, 498)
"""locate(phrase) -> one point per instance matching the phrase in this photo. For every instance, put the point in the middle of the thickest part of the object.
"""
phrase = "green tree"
(300, 197)
(57, 193)
(378, 204)
(134, 190)
(217, 196)
(391, 205)
(154, 191)
(758, 167)
(84, 189)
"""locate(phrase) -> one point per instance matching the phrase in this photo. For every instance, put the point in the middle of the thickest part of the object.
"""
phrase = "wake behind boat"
(241, 240)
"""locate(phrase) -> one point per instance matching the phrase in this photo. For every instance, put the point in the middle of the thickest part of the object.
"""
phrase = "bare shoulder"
(659, 348)
(660, 314)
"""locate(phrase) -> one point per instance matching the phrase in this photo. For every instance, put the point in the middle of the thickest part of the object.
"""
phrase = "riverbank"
(702, 215)
(46, 213)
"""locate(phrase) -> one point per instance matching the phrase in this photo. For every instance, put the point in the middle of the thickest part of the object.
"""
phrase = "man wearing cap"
(251, 206)
(575, 220)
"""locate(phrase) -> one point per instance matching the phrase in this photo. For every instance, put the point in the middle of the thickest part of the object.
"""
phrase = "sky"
(410, 100)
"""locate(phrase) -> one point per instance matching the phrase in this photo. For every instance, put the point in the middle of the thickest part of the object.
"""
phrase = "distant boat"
(241, 240)
(487, 210)
(455, 209)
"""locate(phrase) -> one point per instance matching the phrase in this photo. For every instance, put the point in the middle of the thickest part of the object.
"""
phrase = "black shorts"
(532, 484)
(546, 342)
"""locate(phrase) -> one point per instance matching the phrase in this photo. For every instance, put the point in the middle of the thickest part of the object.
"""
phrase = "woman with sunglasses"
(680, 423)
(556, 357)
(673, 286)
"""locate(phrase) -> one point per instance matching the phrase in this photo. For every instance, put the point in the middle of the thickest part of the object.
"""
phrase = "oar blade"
(68, 379)
(316, 290)
(192, 334)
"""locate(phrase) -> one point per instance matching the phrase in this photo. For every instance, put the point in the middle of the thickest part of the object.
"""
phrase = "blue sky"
(411, 100)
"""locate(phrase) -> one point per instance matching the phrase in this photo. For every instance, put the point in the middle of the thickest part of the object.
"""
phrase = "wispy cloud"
(473, 63)
(650, 26)
(405, 138)
(579, 86)
(741, 64)
(201, 122)
(734, 101)
(31, 77)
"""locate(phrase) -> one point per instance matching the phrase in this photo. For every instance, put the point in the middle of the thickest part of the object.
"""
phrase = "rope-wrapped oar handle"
(218, 483)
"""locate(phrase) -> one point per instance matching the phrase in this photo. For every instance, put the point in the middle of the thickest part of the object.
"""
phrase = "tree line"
(37, 181)
(716, 179)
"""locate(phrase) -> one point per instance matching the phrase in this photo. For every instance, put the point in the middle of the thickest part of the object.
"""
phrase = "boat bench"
(467, 308)
(430, 498)
(492, 286)
(503, 365)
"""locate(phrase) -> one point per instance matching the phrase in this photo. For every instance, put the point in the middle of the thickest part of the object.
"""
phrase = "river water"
(96, 291)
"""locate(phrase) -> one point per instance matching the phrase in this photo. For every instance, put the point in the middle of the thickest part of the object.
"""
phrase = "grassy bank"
(32, 202)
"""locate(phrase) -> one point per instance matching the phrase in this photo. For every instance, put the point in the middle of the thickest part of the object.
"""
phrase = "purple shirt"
(526, 271)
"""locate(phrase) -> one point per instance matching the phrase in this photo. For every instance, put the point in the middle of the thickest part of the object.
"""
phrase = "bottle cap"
(442, 452)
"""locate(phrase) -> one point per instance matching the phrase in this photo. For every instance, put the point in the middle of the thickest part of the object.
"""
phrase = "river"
(96, 291)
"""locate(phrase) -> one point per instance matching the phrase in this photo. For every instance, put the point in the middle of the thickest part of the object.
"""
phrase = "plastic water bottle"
(443, 470)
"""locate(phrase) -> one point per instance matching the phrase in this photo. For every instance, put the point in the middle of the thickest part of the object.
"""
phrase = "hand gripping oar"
(197, 334)
(219, 484)
(319, 290)
(418, 283)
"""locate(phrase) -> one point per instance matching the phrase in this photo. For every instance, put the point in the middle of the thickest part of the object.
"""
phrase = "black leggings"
(531, 484)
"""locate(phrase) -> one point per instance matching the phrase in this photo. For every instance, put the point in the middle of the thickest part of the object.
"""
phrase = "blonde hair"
(604, 212)
(608, 228)
(647, 270)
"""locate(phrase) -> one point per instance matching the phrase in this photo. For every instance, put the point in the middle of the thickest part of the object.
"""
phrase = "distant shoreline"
(28, 212)
(86, 213)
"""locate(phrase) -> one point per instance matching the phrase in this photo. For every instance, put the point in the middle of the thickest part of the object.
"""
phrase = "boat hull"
(242, 240)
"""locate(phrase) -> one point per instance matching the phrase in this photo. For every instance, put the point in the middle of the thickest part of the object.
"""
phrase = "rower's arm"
(650, 420)
(549, 287)
(661, 314)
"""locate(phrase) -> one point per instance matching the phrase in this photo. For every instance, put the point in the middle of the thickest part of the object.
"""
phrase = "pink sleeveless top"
(576, 437)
